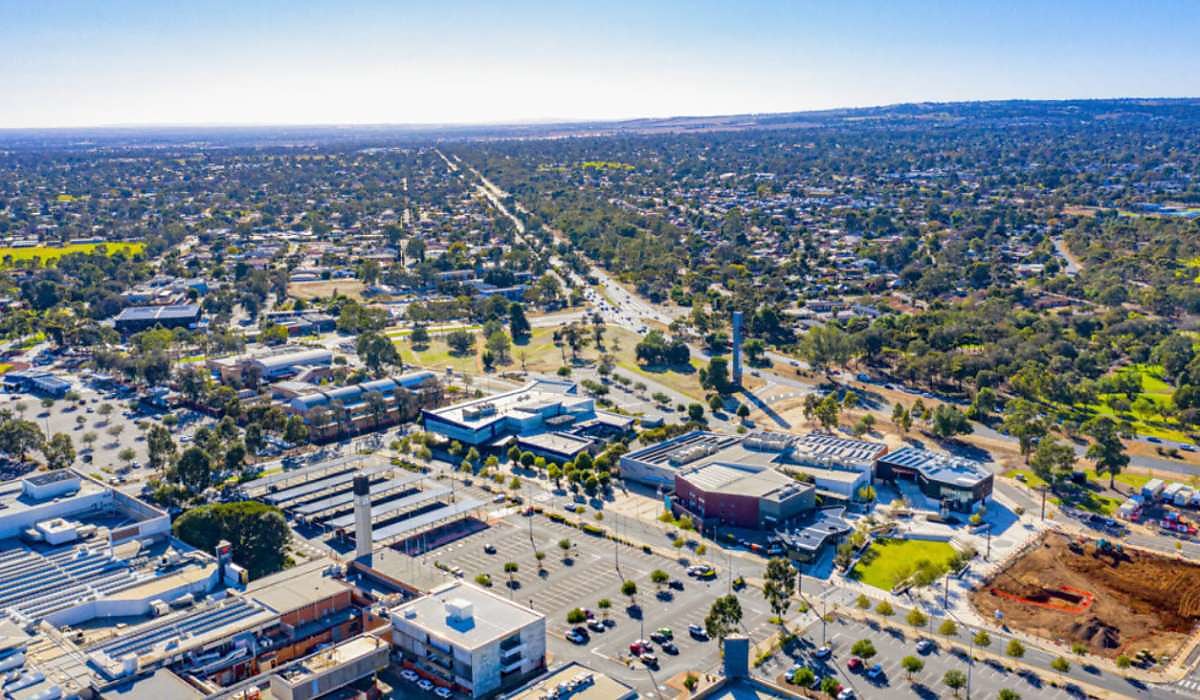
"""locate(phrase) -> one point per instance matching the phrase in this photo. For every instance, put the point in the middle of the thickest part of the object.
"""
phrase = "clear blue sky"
(97, 62)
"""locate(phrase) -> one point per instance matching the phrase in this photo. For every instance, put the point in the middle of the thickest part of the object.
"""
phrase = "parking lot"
(588, 572)
(987, 677)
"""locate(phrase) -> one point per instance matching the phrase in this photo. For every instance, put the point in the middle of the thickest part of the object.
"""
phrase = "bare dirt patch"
(1140, 600)
(323, 289)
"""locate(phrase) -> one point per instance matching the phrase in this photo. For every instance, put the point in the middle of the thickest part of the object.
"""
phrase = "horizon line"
(564, 121)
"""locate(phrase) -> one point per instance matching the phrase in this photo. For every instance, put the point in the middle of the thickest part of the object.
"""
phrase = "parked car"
(489, 549)
(443, 692)
(575, 637)
(409, 675)
(925, 646)
(595, 625)
(425, 684)
(854, 664)
(875, 672)
(697, 632)
(822, 653)
(669, 647)
(649, 659)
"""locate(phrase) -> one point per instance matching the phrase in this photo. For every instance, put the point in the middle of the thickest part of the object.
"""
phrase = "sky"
(73, 63)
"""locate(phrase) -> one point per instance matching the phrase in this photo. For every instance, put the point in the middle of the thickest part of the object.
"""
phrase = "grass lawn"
(1146, 420)
(1031, 480)
(4, 367)
(1092, 503)
(540, 354)
(437, 356)
(51, 253)
(888, 561)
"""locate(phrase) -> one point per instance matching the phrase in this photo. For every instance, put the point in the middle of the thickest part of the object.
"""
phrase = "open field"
(888, 561)
(49, 254)
(325, 288)
(1112, 604)
(538, 353)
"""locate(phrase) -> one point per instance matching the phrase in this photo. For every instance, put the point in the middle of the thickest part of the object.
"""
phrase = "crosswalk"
(1191, 685)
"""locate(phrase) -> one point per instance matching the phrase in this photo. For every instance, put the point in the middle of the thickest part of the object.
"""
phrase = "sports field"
(49, 254)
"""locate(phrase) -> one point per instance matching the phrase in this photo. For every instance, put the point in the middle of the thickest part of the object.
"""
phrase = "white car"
(443, 692)
(425, 684)
(409, 675)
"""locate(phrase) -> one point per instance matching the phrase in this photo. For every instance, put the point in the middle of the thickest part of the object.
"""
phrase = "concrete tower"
(737, 348)
(362, 517)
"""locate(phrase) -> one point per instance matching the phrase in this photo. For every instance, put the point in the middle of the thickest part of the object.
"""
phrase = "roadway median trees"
(863, 648)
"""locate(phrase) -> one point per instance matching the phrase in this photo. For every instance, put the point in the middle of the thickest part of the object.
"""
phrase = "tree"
(827, 411)
(779, 581)
(1015, 649)
(1022, 421)
(723, 617)
(1106, 450)
(1008, 694)
(59, 451)
(863, 648)
(983, 639)
(193, 470)
(576, 616)
(461, 342)
(885, 608)
(826, 346)
(948, 628)
(911, 665)
(916, 618)
(499, 344)
(419, 336)
(376, 351)
(628, 588)
(659, 577)
(295, 431)
(1053, 459)
(948, 421)
(126, 455)
(1060, 664)
(160, 446)
(716, 375)
(518, 325)
(258, 532)
(19, 437)
(695, 412)
(901, 417)
(954, 680)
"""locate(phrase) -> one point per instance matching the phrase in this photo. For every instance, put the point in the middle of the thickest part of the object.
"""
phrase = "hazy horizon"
(135, 63)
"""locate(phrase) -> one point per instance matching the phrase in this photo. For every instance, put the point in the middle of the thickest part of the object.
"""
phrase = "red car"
(854, 664)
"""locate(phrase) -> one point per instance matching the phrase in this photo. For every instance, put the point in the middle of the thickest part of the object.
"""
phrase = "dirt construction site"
(1113, 599)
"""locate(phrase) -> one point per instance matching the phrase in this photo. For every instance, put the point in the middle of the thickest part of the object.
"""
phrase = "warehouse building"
(36, 382)
(140, 318)
(959, 485)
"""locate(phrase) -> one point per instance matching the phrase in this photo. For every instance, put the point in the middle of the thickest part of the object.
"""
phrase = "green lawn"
(1146, 420)
(1092, 503)
(51, 253)
(1031, 480)
(888, 561)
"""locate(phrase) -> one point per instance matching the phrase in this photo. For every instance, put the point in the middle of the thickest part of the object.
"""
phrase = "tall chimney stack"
(362, 516)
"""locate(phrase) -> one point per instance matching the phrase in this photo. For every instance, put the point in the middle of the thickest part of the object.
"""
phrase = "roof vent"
(459, 610)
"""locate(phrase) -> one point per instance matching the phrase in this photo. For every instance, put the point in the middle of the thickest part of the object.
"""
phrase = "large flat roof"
(586, 685)
(538, 395)
(955, 471)
(297, 587)
(492, 617)
(155, 313)
(722, 478)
